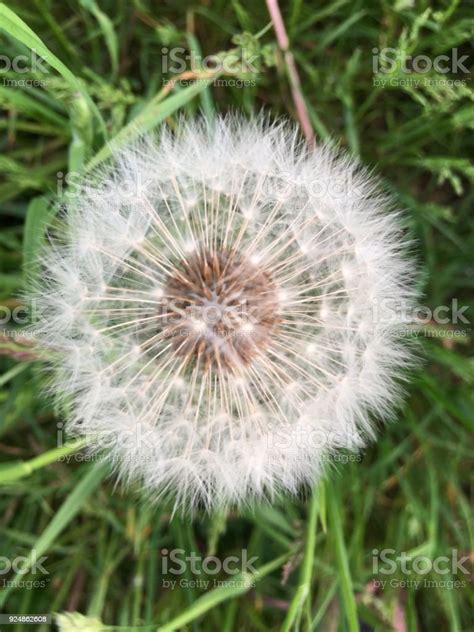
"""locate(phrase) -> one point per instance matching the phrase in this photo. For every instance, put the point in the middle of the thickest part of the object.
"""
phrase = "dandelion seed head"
(210, 304)
(211, 299)
(157, 292)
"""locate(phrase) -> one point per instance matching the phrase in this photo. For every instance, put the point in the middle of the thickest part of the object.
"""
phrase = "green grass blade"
(206, 96)
(63, 517)
(15, 27)
(304, 586)
(12, 472)
(108, 31)
(340, 551)
(39, 214)
(239, 585)
(152, 115)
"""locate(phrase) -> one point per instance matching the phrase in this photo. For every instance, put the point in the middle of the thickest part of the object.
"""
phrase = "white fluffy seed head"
(215, 301)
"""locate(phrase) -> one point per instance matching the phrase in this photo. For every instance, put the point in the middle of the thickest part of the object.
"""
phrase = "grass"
(409, 492)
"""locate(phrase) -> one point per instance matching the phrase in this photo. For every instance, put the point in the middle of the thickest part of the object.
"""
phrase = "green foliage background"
(410, 492)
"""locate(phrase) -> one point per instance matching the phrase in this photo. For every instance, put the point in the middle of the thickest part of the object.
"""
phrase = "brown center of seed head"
(220, 309)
